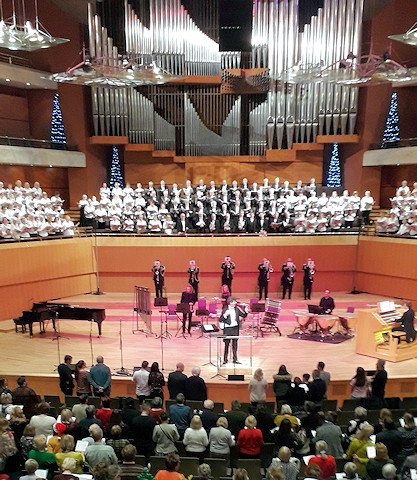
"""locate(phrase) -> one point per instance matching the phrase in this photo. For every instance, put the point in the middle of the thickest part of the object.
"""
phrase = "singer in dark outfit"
(230, 322)
(188, 297)
(158, 271)
(407, 323)
(287, 279)
(228, 268)
(309, 271)
(265, 269)
(193, 280)
(327, 304)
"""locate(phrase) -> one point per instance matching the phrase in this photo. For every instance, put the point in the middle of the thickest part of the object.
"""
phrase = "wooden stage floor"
(39, 355)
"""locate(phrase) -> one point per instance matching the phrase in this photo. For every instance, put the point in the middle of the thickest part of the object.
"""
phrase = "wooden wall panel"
(218, 392)
(129, 261)
(388, 266)
(40, 271)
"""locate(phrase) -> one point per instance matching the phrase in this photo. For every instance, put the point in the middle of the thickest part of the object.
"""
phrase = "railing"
(404, 142)
(35, 143)
(14, 60)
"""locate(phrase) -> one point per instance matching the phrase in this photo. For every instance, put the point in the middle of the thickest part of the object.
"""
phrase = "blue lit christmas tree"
(334, 176)
(115, 169)
(58, 138)
(392, 128)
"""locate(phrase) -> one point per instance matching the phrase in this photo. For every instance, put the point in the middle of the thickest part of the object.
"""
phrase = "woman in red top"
(250, 439)
(104, 413)
(326, 462)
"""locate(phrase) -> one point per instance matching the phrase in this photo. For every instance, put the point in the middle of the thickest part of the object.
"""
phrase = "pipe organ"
(204, 118)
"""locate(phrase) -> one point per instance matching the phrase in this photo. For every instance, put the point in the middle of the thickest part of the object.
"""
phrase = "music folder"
(209, 328)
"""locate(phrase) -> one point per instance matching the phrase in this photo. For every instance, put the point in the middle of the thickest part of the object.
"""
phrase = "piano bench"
(21, 323)
(398, 335)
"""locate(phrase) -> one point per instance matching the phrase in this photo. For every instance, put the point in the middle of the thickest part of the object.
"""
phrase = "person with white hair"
(195, 386)
(99, 452)
(208, 416)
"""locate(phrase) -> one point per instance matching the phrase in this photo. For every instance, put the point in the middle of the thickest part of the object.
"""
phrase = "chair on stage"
(270, 317)
(202, 312)
(170, 312)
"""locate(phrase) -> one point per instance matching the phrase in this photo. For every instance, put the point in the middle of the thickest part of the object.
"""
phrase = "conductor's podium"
(374, 338)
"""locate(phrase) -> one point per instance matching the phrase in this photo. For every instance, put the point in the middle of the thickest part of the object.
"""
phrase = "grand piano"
(43, 311)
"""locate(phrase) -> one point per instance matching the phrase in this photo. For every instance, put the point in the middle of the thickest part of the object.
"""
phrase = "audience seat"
(218, 466)
(252, 466)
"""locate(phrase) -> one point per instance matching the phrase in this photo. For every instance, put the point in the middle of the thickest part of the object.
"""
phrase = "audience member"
(177, 381)
(99, 452)
(142, 429)
(250, 439)
(221, 439)
(180, 415)
(172, 466)
(195, 386)
(164, 436)
(195, 439)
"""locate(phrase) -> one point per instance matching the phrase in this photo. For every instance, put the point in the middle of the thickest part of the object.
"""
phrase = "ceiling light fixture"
(19, 33)
(409, 38)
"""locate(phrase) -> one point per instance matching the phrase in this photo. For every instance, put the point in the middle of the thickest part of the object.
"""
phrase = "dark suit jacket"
(195, 388)
(176, 383)
(180, 228)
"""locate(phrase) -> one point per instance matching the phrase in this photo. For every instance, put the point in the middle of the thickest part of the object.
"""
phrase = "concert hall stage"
(37, 357)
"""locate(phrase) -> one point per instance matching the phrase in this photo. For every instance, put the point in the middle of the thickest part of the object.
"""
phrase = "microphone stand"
(91, 343)
(122, 370)
(97, 292)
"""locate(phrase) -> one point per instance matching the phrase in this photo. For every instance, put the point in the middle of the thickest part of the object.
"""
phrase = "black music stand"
(256, 310)
(185, 309)
(160, 302)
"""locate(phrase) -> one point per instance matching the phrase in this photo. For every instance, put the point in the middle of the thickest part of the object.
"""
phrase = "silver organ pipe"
(290, 112)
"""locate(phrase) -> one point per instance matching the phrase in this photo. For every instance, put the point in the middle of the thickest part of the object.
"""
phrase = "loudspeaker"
(160, 302)
(235, 378)
(235, 25)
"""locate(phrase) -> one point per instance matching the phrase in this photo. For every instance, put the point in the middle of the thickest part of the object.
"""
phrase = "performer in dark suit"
(183, 223)
(327, 304)
(309, 270)
(228, 268)
(188, 297)
(265, 269)
(407, 323)
(230, 322)
(193, 280)
(158, 271)
(287, 279)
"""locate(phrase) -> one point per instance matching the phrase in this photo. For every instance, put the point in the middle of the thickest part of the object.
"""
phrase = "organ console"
(374, 336)
(52, 311)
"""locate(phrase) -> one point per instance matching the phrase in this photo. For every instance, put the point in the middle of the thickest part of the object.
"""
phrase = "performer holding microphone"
(265, 269)
(287, 279)
(158, 271)
(188, 297)
(193, 280)
(230, 322)
(309, 271)
(228, 268)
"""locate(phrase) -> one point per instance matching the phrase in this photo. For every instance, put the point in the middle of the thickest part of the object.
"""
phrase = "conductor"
(407, 323)
(230, 322)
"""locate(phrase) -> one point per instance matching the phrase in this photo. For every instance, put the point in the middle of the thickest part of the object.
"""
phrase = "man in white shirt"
(140, 377)
(230, 322)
